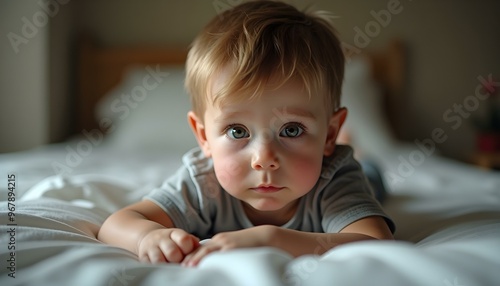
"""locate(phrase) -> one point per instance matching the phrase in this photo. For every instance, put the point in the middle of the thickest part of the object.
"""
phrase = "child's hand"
(167, 245)
(250, 237)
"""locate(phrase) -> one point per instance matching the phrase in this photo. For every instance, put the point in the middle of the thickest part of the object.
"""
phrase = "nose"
(264, 158)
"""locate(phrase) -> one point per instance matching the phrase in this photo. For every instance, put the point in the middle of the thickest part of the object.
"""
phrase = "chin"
(265, 205)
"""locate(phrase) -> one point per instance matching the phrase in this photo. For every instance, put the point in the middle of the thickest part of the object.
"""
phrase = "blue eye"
(292, 130)
(237, 132)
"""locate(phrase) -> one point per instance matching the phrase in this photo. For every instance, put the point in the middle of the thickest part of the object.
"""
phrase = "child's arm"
(146, 230)
(292, 241)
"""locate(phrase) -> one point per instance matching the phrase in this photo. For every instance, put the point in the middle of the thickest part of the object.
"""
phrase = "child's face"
(268, 152)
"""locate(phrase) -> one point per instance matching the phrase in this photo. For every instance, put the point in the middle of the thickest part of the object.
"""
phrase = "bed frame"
(101, 68)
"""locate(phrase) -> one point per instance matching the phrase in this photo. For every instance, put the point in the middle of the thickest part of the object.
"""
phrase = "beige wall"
(24, 76)
(450, 44)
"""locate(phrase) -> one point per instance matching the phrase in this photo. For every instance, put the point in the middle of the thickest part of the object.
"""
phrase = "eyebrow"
(228, 115)
(300, 112)
(278, 112)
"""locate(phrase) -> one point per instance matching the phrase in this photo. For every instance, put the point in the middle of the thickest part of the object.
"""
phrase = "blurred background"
(451, 44)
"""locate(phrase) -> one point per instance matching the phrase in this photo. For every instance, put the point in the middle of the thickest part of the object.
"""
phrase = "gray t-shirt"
(196, 202)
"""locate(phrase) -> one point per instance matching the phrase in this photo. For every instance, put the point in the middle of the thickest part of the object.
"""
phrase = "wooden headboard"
(102, 68)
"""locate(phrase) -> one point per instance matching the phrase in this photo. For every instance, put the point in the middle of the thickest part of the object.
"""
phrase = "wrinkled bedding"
(448, 232)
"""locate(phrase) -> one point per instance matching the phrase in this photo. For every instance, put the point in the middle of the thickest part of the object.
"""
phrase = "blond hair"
(264, 41)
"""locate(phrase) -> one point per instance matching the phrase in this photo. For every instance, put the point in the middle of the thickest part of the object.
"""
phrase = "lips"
(267, 189)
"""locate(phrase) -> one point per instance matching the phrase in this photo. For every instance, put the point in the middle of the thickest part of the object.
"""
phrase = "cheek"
(228, 170)
(305, 171)
(226, 166)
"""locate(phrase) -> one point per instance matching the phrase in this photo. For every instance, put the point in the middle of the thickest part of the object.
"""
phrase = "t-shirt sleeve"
(348, 197)
(184, 203)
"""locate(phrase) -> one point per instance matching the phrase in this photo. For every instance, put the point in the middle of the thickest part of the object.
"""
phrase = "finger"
(188, 260)
(155, 255)
(195, 257)
(170, 251)
(144, 258)
(185, 241)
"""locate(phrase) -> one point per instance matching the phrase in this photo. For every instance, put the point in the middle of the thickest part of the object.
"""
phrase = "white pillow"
(366, 122)
(149, 110)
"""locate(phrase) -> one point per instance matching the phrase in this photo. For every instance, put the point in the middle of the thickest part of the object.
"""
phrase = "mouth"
(267, 189)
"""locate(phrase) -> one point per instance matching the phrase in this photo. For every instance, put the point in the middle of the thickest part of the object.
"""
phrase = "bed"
(132, 133)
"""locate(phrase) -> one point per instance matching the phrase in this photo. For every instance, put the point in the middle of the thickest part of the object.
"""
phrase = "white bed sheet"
(448, 229)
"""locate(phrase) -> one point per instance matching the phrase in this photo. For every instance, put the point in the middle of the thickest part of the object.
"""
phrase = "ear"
(199, 132)
(334, 124)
